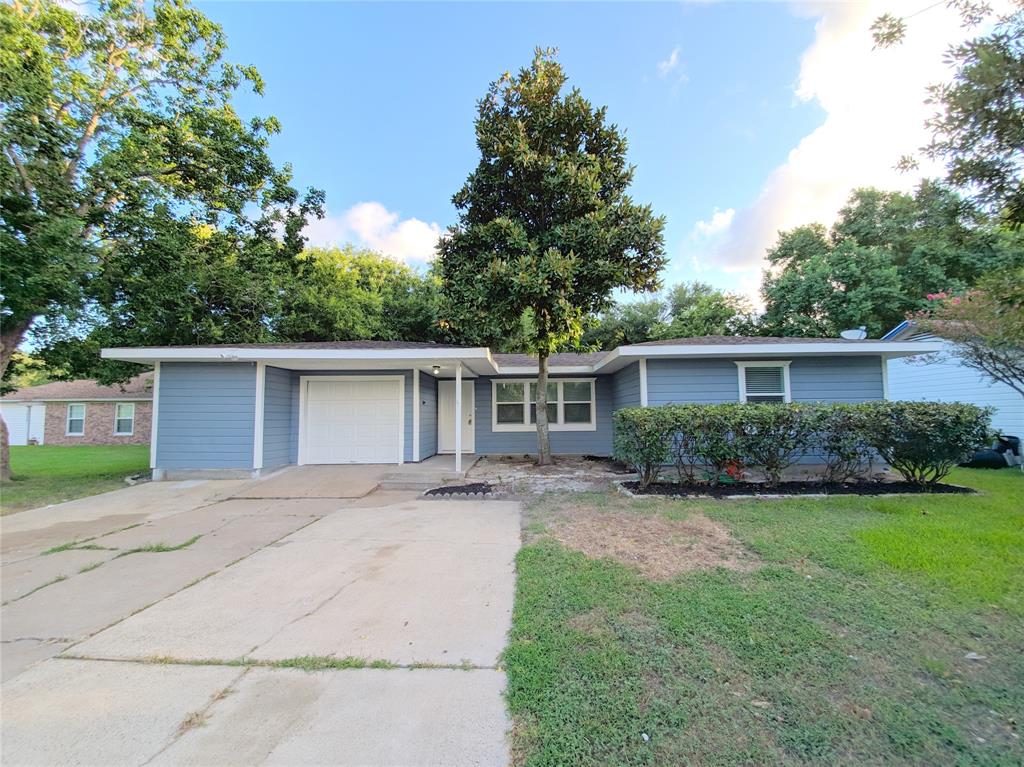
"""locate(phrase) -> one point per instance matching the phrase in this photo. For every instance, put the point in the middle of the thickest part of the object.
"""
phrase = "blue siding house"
(243, 409)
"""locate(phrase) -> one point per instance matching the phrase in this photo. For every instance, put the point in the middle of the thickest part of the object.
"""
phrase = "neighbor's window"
(570, 405)
(76, 420)
(764, 381)
(124, 418)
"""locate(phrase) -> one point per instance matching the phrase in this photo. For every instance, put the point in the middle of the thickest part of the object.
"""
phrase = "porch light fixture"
(436, 370)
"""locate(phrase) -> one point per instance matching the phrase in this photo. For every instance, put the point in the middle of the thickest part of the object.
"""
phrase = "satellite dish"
(856, 334)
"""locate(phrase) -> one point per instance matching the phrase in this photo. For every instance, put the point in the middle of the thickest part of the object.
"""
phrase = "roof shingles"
(139, 387)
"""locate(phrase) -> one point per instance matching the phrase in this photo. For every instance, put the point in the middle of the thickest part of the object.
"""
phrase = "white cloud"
(875, 113)
(665, 67)
(719, 222)
(372, 225)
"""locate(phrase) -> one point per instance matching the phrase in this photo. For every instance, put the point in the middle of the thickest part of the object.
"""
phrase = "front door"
(446, 417)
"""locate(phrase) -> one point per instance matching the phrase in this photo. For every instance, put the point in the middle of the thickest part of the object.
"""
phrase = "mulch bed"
(789, 488)
(476, 488)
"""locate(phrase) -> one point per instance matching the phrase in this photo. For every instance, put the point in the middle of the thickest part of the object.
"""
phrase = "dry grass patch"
(658, 546)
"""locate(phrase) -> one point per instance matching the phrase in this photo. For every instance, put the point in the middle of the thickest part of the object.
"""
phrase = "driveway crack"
(198, 718)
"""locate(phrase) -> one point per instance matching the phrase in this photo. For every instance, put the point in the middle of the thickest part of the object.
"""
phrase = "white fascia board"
(229, 354)
(742, 351)
(532, 370)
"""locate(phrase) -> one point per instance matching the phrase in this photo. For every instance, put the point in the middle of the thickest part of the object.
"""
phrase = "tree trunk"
(9, 340)
(543, 437)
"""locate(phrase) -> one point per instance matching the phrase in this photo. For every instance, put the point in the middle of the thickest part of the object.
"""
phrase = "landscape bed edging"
(960, 490)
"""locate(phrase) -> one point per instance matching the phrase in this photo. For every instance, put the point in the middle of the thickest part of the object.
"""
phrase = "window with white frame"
(764, 381)
(76, 420)
(124, 419)
(571, 405)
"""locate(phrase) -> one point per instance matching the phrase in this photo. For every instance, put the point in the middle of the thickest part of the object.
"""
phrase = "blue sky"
(718, 101)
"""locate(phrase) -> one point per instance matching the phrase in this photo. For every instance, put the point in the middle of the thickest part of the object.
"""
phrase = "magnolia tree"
(985, 326)
(546, 228)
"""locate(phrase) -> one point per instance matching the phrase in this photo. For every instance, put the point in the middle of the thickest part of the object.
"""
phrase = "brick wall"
(99, 425)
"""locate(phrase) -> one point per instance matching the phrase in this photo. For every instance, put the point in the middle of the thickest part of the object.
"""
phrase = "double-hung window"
(76, 420)
(571, 405)
(124, 419)
(764, 381)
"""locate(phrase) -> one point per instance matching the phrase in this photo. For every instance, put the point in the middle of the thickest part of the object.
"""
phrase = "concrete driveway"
(200, 623)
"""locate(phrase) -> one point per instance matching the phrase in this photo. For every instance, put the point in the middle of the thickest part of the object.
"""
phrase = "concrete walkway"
(183, 638)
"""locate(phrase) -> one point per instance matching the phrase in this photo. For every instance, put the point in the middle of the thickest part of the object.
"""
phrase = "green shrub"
(840, 441)
(924, 440)
(771, 437)
(641, 440)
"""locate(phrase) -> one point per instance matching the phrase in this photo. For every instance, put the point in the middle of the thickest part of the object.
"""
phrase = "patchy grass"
(324, 662)
(159, 548)
(81, 545)
(850, 644)
(41, 586)
(46, 474)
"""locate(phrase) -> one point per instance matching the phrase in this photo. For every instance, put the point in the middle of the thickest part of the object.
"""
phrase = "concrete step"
(418, 481)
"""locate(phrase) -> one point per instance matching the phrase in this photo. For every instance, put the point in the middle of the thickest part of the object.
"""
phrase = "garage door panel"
(352, 421)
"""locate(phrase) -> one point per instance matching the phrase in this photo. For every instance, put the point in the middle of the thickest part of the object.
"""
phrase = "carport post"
(458, 417)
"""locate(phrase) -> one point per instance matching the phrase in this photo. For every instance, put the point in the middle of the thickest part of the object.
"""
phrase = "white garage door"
(356, 421)
(24, 422)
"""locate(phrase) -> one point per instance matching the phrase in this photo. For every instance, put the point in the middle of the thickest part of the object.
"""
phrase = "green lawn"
(847, 645)
(48, 474)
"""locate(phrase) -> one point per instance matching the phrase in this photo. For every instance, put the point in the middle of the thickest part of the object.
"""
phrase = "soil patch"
(520, 474)
(681, 489)
(657, 546)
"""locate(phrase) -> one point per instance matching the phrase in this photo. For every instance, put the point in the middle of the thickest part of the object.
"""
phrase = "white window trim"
(561, 425)
(68, 419)
(742, 373)
(116, 419)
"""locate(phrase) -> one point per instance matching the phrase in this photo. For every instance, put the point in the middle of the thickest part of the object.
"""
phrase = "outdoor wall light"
(436, 370)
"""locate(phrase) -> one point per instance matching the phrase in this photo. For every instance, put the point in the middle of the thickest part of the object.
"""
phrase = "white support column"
(885, 377)
(458, 417)
(643, 382)
(154, 416)
(261, 395)
(415, 415)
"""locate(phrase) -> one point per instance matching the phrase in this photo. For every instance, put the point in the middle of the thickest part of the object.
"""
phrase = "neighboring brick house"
(81, 413)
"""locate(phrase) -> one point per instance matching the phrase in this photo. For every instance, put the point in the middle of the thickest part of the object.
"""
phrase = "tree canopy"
(546, 226)
(881, 258)
(978, 126)
(127, 182)
(347, 294)
(986, 326)
(689, 309)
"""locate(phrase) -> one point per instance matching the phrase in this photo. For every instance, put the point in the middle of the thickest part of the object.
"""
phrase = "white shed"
(25, 421)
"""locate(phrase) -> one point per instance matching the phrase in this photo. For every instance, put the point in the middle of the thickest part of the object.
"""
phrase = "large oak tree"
(113, 123)
(546, 227)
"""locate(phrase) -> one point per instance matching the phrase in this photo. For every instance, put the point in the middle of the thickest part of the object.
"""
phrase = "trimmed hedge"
(922, 441)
